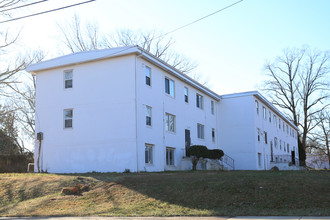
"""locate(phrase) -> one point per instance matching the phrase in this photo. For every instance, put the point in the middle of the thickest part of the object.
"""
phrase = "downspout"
(136, 121)
(39, 138)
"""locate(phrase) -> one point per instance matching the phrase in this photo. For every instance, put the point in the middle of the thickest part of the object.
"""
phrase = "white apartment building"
(255, 133)
(122, 108)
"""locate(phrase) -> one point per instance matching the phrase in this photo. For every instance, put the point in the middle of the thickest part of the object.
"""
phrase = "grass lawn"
(168, 194)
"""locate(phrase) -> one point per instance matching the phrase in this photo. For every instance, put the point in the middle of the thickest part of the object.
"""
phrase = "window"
(270, 117)
(199, 101)
(148, 115)
(170, 122)
(275, 120)
(212, 107)
(186, 98)
(284, 145)
(283, 127)
(148, 154)
(258, 134)
(264, 112)
(200, 131)
(68, 75)
(169, 156)
(213, 135)
(275, 142)
(287, 129)
(288, 147)
(280, 144)
(279, 123)
(169, 86)
(68, 116)
(259, 160)
(257, 106)
(148, 75)
(265, 136)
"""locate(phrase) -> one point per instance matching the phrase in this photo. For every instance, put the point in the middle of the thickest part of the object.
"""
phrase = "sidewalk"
(175, 218)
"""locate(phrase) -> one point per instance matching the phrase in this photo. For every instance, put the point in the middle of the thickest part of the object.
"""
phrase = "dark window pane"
(68, 83)
(68, 123)
(148, 80)
(167, 86)
(148, 120)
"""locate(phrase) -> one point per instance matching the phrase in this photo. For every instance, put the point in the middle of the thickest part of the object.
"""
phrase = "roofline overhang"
(263, 100)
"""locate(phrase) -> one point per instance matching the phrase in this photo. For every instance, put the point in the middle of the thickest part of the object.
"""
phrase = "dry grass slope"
(168, 194)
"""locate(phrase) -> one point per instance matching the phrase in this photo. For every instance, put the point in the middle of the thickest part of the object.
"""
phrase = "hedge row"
(201, 151)
(15, 163)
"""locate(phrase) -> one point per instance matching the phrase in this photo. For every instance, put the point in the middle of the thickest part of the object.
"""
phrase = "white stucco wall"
(239, 121)
(109, 133)
(187, 116)
(236, 133)
(103, 137)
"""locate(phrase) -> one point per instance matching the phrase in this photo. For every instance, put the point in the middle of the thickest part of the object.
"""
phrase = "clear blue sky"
(230, 47)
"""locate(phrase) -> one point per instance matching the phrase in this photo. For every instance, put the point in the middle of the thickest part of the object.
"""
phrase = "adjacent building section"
(255, 133)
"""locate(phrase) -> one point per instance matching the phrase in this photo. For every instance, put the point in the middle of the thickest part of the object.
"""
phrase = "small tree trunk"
(194, 163)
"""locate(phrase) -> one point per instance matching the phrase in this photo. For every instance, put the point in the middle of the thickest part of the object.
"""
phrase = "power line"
(44, 12)
(206, 16)
(22, 6)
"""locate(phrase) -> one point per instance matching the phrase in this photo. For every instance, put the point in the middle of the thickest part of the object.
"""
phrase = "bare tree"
(7, 40)
(298, 82)
(321, 135)
(22, 97)
(83, 37)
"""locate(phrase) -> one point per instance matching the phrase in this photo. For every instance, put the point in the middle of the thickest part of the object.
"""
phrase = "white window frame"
(275, 142)
(148, 115)
(212, 107)
(199, 101)
(170, 154)
(264, 112)
(186, 94)
(169, 118)
(258, 134)
(65, 79)
(200, 131)
(146, 71)
(148, 154)
(171, 87)
(257, 106)
(259, 160)
(65, 118)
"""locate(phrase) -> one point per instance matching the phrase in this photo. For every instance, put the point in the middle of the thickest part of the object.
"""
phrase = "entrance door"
(187, 139)
(271, 152)
(293, 158)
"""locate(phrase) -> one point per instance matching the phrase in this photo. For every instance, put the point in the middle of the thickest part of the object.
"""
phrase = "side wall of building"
(277, 139)
(187, 116)
(237, 131)
(103, 135)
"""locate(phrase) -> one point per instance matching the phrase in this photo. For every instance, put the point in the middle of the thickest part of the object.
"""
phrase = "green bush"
(197, 151)
(215, 154)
